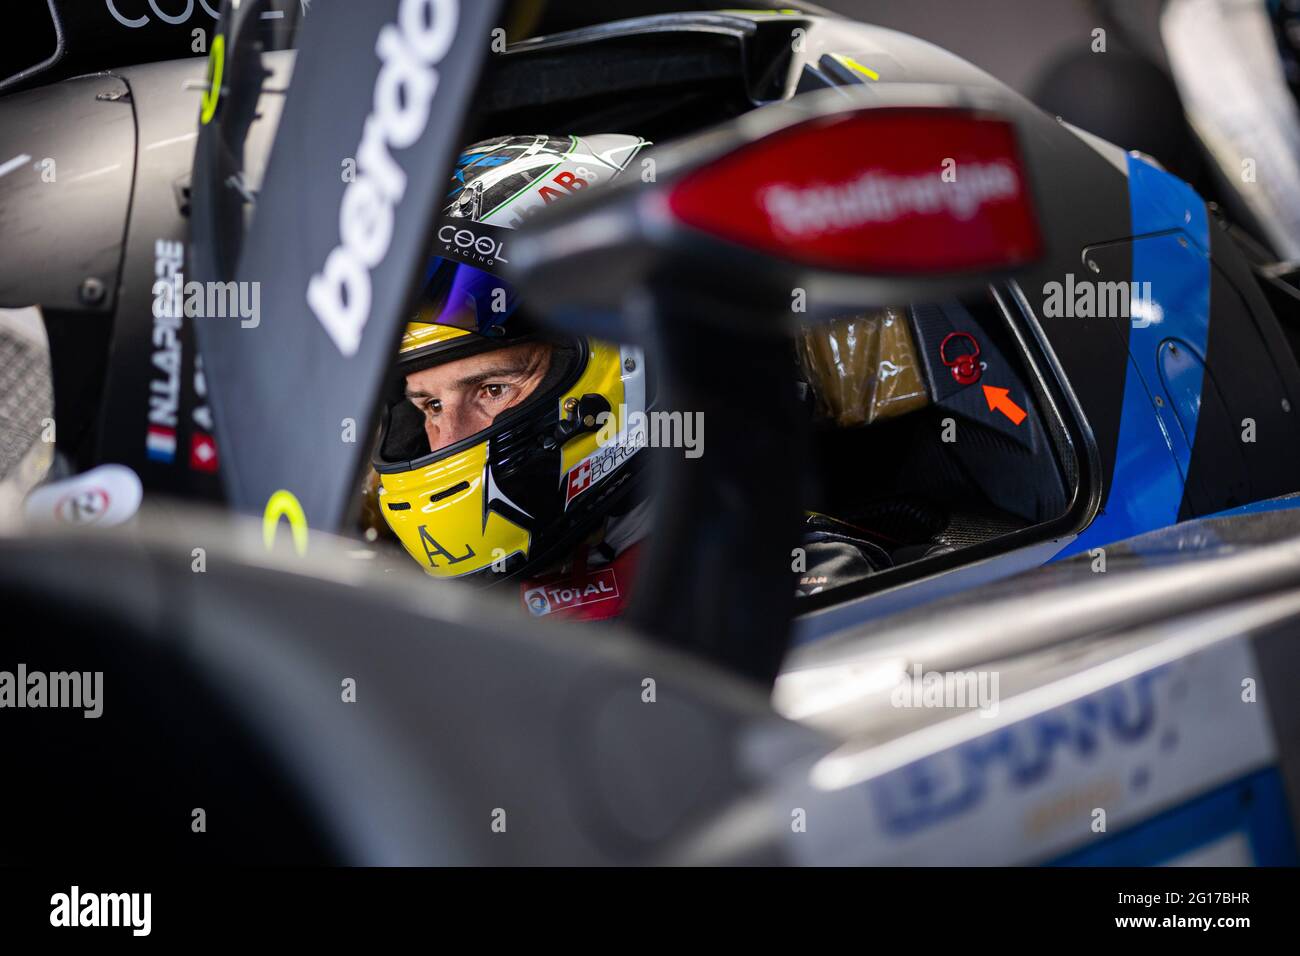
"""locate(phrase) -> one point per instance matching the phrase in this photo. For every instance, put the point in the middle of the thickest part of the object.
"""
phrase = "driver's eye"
(495, 391)
(433, 407)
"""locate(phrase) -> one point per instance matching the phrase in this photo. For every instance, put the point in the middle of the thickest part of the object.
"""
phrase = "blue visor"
(464, 297)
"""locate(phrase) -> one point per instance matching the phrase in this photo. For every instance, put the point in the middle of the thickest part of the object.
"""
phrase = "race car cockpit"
(930, 436)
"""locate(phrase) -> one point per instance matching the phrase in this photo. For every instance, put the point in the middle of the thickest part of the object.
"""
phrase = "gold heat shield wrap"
(863, 368)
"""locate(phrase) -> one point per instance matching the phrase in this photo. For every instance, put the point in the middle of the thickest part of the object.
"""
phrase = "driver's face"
(461, 398)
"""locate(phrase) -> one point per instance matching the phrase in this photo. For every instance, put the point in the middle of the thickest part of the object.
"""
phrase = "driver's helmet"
(542, 471)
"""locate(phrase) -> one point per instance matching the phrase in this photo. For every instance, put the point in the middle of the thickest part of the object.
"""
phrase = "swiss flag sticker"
(203, 453)
(579, 479)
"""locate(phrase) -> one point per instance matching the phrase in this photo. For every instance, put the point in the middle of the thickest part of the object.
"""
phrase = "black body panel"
(67, 156)
(285, 391)
(1252, 377)
(154, 415)
(228, 690)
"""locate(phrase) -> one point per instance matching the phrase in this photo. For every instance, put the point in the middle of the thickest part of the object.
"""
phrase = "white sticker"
(108, 495)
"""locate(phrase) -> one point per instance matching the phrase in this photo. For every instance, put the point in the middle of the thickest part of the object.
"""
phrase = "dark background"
(1015, 40)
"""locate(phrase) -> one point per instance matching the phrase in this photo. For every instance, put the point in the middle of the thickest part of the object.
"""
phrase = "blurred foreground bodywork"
(226, 690)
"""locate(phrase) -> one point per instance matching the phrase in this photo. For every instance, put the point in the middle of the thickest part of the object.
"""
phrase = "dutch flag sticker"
(161, 444)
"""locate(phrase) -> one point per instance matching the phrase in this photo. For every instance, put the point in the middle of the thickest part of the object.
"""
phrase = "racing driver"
(494, 460)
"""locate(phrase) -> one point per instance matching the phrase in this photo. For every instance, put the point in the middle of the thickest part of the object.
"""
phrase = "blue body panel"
(1171, 252)
(1253, 808)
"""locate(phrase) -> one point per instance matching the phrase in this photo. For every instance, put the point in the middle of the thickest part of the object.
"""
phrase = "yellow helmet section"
(440, 513)
(602, 376)
(420, 334)
(443, 512)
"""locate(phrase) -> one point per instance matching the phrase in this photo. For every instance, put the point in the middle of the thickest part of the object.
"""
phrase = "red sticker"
(563, 595)
(929, 190)
(203, 453)
(579, 481)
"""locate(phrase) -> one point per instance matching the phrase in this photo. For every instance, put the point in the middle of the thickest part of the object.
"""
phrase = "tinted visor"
(464, 297)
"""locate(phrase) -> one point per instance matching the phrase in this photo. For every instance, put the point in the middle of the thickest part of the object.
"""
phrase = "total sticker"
(560, 596)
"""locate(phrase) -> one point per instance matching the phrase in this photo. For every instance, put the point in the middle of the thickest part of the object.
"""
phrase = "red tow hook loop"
(965, 368)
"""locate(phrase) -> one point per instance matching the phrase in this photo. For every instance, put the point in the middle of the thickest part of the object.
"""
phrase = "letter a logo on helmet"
(533, 480)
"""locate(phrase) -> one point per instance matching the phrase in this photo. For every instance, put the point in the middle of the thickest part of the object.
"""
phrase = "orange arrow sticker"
(999, 400)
